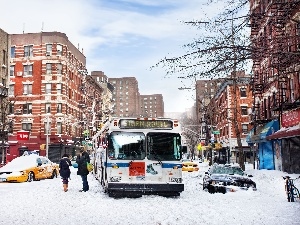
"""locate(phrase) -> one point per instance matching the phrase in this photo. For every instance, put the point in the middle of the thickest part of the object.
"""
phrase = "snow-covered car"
(223, 178)
(189, 165)
(28, 168)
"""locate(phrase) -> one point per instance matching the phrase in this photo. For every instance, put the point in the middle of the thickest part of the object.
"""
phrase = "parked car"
(28, 168)
(189, 165)
(223, 178)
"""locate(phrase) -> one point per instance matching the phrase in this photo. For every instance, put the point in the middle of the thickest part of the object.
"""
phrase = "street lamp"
(47, 136)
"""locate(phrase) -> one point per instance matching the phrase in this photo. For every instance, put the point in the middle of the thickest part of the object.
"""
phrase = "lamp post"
(47, 136)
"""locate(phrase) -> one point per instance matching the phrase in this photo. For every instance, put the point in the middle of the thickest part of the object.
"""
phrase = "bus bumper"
(137, 190)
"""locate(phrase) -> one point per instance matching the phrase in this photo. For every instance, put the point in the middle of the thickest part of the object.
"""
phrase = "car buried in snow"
(28, 168)
(224, 178)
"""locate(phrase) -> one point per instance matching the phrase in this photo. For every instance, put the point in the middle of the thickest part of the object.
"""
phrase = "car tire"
(54, 174)
(30, 177)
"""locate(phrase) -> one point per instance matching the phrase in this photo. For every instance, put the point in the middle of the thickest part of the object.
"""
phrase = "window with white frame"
(48, 108)
(26, 126)
(47, 128)
(59, 49)
(244, 110)
(59, 68)
(28, 50)
(13, 52)
(48, 68)
(48, 49)
(245, 128)
(59, 88)
(11, 90)
(27, 89)
(48, 88)
(12, 71)
(59, 107)
(243, 92)
(59, 127)
(27, 108)
(27, 70)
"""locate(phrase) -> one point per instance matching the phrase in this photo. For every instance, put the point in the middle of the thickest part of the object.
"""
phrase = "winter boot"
(65, 187)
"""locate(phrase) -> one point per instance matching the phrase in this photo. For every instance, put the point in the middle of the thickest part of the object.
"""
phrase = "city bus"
(139, 156)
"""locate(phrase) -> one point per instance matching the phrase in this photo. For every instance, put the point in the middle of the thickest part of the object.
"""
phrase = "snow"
(44, 202)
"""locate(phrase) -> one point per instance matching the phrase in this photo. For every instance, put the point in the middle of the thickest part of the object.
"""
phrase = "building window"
(27, 108)
(48, 88)
(11, 108)
(48, 107)
(12, 71)
(13, 52)
(245, 128)
(59, 127)
(59, 49)
(4, 57)
(59, 108)
(244, 110)
(48, 49)
(26, 126)
(27, 70)
(58, 88)
(28, 50)
(27, 89)
(47, 128)
(11, 90)
(59, 68)
(243, 92)
(48, 68)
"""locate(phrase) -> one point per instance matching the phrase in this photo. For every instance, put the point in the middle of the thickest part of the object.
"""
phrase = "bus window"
(126, 145)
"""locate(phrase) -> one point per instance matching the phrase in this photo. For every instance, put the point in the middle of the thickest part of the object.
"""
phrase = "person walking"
(64, 171)
(82, 159)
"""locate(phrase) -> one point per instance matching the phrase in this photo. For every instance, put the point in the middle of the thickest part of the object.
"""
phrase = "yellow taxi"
(189, 165)
(28, 168)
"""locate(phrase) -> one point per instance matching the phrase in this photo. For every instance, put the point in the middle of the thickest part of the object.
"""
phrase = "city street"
(44, 202)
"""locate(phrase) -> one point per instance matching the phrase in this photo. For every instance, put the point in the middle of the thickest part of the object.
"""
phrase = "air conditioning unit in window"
(18, 111)
(20, 74)
(48, 53)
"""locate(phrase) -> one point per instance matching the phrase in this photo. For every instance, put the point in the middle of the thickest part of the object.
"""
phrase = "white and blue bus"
(139, 156)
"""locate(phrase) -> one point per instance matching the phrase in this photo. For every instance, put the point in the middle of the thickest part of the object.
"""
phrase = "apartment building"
(151, 106)
(4, 122)
(275, 35)
(125, 97)
(48, 88)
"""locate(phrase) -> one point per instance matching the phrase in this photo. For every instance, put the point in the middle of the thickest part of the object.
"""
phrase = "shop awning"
(262, 132)
(286, 132)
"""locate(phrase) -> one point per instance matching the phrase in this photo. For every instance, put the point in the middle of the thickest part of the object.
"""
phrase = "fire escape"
(274, 59)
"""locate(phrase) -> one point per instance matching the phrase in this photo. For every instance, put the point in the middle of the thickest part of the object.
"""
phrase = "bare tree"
(223, 48)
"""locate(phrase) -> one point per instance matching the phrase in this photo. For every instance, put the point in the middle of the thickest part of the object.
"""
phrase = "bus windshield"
(163, 146)
(126, 145)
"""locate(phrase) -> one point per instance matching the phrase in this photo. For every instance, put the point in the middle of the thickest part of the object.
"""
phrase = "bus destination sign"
(145, 124)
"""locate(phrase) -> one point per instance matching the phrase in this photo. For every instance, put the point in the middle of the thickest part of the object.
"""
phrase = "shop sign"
(291, 118)
(23, 135)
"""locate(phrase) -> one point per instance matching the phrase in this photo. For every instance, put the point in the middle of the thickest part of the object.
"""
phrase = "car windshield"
(226, 170)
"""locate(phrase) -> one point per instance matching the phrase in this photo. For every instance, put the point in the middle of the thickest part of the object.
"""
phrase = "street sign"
(216, 132)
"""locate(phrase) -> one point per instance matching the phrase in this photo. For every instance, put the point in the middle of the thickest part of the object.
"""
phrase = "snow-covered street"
(44, 202)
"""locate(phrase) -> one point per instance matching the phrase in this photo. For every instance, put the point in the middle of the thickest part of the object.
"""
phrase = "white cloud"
(121, 38)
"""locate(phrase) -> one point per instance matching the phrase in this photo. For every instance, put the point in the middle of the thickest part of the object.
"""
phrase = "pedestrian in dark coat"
(64, 170)
(82, 159)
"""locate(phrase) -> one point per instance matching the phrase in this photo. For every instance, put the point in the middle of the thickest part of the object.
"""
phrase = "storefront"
(257, 139)
(286, 141)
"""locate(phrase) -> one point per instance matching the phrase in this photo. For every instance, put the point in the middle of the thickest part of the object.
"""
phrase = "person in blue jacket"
(64, 170)
(82, 159)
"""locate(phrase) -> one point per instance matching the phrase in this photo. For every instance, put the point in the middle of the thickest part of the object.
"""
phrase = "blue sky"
(119, 37)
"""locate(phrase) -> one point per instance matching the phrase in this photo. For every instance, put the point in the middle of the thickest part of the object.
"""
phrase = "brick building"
(276, 83)
(48, 87)
(4, 65)
(125, 97)
(152, 105)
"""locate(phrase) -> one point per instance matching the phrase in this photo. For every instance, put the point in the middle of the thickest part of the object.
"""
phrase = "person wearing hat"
(82, 159)
(64, 171)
